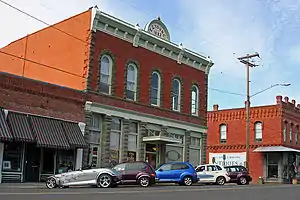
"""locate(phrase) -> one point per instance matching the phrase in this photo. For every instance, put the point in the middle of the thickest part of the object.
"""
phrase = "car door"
(233, 173)
(177, 170)
(212, 173)
(131, 172)
(164, 173)
(121, 169)
(202, 173)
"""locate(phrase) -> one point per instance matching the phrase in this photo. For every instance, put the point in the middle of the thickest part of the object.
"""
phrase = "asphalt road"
(232, 192)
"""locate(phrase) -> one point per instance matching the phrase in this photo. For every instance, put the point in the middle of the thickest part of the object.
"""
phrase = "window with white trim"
(155, 89)
(131, 82)
(223, 133)
(291, 133)
(105, 74)
(284, 131)
(195, 100)
(132, 141)
(258, 131)
(115, 136)
(176, 92)
(297, 134)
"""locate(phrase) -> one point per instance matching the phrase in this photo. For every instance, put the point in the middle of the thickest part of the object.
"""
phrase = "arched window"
(176, 92)
(105, 74)
(223, 133)
(155, 89)
(284, 131)
(291, 133)
(131, 81)
(195, 100)
(258, 131)
(297, 134)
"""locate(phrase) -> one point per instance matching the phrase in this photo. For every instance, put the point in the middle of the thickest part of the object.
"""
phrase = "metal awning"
(275, 149)
(161, 139)
(19, 127)
(49, 133)
(74, 135)
(5, 134)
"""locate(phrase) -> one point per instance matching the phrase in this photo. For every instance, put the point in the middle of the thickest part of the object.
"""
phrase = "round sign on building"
(158, 28)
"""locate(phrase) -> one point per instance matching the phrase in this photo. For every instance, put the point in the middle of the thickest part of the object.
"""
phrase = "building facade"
(41, 129)
(274, 133)
(145, 97)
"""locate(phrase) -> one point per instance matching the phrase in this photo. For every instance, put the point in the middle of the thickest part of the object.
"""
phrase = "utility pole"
(246, 61)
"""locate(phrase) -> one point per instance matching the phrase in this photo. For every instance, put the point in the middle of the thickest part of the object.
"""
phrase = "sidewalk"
(22, 185)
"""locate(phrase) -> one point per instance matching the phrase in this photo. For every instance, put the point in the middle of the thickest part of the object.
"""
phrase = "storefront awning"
(49, 133)
(5, 134)
(161, 139)
(74, 135)
(275, 149)
(19, 127)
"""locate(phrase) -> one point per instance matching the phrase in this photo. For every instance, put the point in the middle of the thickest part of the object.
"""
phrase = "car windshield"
(120, 167)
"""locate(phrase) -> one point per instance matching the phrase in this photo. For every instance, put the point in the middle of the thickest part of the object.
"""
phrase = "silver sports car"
(101, 178)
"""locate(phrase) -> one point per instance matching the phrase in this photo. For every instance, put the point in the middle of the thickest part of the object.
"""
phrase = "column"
(79, 153)
(124, 141)
(1, 160)
(187, 142)
(105, 142)
(203, 147)
(85, 151)
(162, 154)
(142, 145)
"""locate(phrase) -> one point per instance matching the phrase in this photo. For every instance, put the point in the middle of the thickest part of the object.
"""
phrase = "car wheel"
(51, 183)
(104, 181)
(187, 181)
(220, 180)
(242, 181)
(144, 181)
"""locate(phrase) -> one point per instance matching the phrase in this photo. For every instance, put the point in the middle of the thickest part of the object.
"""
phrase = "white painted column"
(79, 153)
(1, 160)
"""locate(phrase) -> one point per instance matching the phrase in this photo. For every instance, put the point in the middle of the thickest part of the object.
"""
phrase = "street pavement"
(232, 192)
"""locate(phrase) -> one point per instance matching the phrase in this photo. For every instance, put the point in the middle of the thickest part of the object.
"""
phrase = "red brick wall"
(123, 51)
(25, 95)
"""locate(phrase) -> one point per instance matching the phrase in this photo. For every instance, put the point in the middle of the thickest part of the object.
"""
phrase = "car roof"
(133, 162)
(234, 166)
(178, 163)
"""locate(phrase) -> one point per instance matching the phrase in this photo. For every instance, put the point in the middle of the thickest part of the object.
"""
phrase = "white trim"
(79, 153)
(158, 89)
(161, 139)
(1, 159)
(109, 73)
(196, 101)
(275, 149)
(135, 79)
(133, 115)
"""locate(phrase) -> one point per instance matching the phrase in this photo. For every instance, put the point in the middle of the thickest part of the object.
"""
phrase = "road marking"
(147, 190)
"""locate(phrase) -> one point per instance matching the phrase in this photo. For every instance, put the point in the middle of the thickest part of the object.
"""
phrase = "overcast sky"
(221, 29)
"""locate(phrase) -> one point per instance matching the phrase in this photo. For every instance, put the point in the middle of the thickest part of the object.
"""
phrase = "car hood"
(100, 170)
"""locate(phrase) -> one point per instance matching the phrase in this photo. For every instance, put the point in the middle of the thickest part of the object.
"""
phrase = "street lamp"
(275, 85)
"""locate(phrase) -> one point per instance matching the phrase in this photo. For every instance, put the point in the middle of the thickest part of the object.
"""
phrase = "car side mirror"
(160, 170)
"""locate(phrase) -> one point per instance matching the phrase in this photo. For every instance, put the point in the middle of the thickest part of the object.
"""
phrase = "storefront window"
(132, 141)
(194, 156)
(48, 161)
(115, 141)
(174, 153)
(12, 157)
(65, 161)
(272, 162)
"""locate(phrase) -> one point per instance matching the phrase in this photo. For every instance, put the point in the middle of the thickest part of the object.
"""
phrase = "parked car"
(182, 173)
(211, 173)
(100, 177)
(238, 174)
(139, 172)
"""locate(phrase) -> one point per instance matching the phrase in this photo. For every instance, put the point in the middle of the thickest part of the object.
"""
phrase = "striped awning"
(49, 133)
(5, 134)
(74, 135)
(19, 127)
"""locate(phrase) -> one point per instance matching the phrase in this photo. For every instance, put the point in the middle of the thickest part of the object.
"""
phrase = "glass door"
(272, 166)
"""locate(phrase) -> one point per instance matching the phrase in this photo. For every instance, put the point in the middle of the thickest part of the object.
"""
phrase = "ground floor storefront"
(34, 147)
(117, 135)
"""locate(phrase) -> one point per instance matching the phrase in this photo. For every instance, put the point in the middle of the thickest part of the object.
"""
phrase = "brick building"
(274, 136)
(146, 97)
(41, 129)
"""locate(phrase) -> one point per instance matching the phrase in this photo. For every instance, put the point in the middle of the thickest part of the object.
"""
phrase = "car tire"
(221, 180)
(51, 183)
(187, 181)
(144, 181)
(242, 181)
(104, 181)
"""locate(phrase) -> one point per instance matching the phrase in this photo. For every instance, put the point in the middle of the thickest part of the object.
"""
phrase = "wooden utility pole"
(246, 60)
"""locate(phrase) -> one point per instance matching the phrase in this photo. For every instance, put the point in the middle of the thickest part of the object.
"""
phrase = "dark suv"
(238, 174)
(133, 173)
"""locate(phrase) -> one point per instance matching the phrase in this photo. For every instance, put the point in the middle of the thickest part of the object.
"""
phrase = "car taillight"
(195, 174)
(153, 175)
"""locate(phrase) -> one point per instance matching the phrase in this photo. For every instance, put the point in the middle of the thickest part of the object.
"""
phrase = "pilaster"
(142, 146)
(105, 144)
(187, 142)
(124, 141)
(203, 148)
(85, 152)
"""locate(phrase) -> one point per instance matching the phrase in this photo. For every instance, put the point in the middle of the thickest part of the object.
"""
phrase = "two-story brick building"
(274, 133)
(146, 97)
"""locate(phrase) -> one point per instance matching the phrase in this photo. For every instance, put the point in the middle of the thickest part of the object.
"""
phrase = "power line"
(49, 25)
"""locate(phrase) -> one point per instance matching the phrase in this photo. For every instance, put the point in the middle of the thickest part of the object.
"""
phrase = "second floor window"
(195, 100)
(105, 74)
(258, 131)
(284, 131)
(291, 133)
(297, 134)
(131, 85)
(155, 89)
(176, 92)
(223, 133)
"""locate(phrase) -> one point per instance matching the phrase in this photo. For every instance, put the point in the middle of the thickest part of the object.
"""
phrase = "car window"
(166, 167)
(200, 169)
(136, 166)
(120, 167)
(179, 166)
(211, 168)
(243, 169)
(218, 167)
(232, 169)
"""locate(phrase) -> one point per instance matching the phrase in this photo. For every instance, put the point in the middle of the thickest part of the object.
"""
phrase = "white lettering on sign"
(157, 30)
(227, 159)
